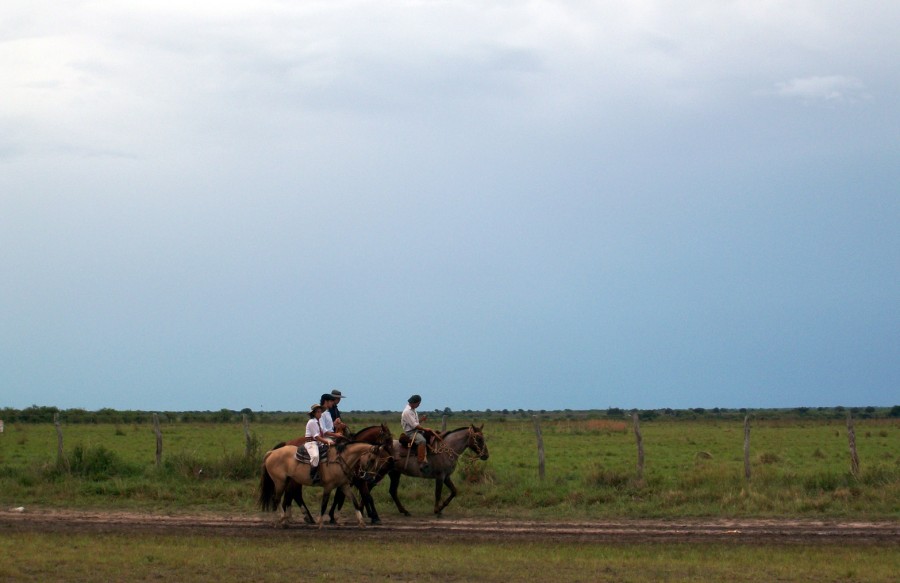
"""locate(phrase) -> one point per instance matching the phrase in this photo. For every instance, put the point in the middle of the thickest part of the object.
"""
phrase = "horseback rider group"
(325, 425)
(320, 429)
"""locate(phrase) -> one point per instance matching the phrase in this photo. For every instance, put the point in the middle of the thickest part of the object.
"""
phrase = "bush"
(98, 462)
(600, 477)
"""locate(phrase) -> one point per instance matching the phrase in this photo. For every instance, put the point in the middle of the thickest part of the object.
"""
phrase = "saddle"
(407, 443)
(303, 455)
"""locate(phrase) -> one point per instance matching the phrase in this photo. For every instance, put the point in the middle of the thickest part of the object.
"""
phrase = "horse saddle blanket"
(303, 455)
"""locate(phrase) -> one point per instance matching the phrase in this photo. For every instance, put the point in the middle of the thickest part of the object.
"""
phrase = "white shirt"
(409, 419)
(326, 422)
(312, 428)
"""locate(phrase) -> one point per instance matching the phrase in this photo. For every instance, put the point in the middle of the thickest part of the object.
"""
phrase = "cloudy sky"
(538, 205)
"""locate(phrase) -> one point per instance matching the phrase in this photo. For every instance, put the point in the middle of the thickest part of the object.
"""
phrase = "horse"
(281, 467)
(375, 435)
(442, 462)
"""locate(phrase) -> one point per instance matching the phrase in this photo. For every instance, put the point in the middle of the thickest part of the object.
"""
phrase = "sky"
(496, 205)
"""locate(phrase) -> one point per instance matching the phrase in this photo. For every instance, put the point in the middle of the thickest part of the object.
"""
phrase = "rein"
(348, 471)
(443, 448)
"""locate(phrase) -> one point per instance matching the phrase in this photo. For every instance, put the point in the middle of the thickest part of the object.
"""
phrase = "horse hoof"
(376, 521)
(406, 514)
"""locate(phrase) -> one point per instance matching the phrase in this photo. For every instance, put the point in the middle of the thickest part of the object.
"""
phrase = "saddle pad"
(303, 455)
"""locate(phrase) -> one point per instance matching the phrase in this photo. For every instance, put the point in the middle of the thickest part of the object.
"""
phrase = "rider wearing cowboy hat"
(335, 412)
(314, 437)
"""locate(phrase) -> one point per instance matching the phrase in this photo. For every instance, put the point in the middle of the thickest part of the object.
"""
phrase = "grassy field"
(41, 557)
(692, 468)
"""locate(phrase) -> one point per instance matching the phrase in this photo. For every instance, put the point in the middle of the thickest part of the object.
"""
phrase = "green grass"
(692, 468)
(41, 557)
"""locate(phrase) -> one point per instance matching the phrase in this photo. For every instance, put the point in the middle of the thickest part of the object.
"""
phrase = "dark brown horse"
(375, 435)
(442, 461)
(280, 468)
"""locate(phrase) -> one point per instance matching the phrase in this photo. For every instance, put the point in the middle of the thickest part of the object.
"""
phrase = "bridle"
(372, 469)
(476, 445)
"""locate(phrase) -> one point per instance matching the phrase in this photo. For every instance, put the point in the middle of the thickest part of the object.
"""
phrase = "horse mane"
(279, 445)
(448, 432)
(367, 428)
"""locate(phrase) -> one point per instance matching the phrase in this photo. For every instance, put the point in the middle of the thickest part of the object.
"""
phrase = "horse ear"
(482, 427)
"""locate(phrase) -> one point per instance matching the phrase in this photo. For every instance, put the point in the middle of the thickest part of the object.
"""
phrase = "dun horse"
(442, 462)
(375, 435)
(280, 467)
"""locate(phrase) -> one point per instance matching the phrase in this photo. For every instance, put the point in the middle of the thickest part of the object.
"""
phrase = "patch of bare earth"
(744, 531)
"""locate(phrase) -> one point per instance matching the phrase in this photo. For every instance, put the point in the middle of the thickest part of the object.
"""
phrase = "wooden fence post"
(747, 447)
(248, 443)
(851, 437)
(640, 447)
(540, 446)
(61, 461)
(158, 440)
(443, 423)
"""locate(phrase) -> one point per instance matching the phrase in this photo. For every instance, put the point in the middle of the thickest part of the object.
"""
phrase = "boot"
(314, 474)
(421, 456)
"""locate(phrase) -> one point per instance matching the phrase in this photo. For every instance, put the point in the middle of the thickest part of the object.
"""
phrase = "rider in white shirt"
(409, 422)
(326, 422)
(313, 438)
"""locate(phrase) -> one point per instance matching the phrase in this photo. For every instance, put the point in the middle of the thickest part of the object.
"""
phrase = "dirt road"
(746, 531)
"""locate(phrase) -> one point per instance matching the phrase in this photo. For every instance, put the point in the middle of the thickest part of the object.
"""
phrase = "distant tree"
(248, 412)
(895, 411)
(614, 412)
(648, 415)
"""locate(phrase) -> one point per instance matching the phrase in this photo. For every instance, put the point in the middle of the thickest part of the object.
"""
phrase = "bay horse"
(280, 467)
(442, 462)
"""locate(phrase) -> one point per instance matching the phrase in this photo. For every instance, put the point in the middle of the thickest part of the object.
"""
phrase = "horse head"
(476, 442)
(385, 438)
(376, 462)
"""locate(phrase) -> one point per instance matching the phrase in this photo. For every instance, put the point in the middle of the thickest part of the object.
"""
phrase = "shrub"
(769, 458)
(600, 477)
(98, 462)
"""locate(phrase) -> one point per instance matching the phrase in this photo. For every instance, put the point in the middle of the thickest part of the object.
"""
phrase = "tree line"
(45, 414)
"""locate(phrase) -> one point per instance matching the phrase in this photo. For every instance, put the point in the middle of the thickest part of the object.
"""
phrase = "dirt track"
(756, 531)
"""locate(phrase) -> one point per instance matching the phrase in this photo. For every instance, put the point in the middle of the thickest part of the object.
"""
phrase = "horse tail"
(267, 499)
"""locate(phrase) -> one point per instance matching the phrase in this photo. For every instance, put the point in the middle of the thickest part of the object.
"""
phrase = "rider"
(313, 438)
(335, 412)
(409, 422)
(328, 431)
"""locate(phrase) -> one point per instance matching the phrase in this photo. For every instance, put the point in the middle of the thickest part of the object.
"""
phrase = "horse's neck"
(457, 441)
(354, 451)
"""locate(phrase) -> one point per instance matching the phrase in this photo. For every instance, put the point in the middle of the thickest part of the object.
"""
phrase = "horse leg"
(325, 496)
(395, 482)
(336, 505)
(296, 492)
(452, 487)
(368, 501)
(348, 492)
(286, 500)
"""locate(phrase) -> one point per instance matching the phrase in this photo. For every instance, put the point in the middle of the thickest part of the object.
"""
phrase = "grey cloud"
(828, 88)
